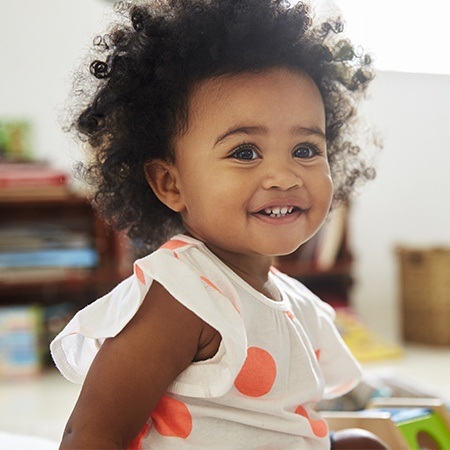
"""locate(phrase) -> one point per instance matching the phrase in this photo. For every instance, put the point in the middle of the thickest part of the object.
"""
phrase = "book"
(20, 235)
(19, 175)
(330, 238)
(20, 331)
(32, 181)
(29, 275)
(363, 343)
(34, 193)
(54, 318)
(70, 257)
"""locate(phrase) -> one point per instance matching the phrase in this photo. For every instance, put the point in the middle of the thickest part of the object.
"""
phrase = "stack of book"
(25, 335)
(32, 180)
(19, 341)
(37, 251)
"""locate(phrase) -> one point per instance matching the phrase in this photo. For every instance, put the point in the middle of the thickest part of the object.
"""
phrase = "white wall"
(40, 42)
(408, 203)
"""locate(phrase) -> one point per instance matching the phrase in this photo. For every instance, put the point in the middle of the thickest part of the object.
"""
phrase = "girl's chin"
(281, 250)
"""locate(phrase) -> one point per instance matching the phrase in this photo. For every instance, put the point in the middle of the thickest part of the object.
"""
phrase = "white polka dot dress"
(276, 360)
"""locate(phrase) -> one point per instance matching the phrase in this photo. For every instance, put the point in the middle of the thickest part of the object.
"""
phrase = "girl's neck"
(253, 269)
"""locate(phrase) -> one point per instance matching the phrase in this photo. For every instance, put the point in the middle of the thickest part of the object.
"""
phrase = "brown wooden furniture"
(80, 286)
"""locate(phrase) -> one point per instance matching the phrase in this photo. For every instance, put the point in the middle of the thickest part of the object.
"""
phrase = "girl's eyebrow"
(251, 130)
(309, 131)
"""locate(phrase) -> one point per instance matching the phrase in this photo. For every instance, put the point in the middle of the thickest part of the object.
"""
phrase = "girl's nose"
(282, 175)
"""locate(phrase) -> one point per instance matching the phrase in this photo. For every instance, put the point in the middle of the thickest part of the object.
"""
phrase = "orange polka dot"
(319, 427)
(210, 283)
(290, 315)
(258, 373)
(136, 443)
(139, 273)
(172, 418)
(173, 244)
(317, 352)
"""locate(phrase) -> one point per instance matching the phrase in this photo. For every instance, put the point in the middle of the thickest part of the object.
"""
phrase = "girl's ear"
(162, 178)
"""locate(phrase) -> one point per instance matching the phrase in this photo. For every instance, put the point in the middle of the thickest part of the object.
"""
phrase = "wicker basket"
(425, 294)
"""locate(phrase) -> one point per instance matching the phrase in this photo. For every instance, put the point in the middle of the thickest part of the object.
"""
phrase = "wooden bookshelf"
(43, 299)
(56, 284)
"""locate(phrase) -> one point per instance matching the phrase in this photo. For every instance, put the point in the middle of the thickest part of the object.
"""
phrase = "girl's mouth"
(278, 211)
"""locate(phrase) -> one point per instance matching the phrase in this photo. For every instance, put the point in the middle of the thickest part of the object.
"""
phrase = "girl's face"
(251, 170)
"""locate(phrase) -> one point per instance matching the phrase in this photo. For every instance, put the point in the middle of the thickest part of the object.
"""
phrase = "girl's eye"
(305, 151)
(245, 153)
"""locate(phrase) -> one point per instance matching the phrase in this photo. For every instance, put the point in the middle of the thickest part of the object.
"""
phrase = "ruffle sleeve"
(198, 285)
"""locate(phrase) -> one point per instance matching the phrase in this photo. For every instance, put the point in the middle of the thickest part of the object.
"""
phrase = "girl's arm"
(133, 370)
(356, 439)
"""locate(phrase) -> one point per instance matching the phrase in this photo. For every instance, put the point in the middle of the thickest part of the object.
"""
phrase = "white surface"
(37, 406)
(21, 442)
(424, 368)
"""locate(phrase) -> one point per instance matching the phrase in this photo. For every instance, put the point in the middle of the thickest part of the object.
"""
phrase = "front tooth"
(276, 210)
(284, 210)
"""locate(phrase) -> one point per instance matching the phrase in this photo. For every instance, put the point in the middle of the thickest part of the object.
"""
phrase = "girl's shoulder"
(184, 270)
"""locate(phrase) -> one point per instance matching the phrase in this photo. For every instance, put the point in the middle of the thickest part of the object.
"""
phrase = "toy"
(403, 423)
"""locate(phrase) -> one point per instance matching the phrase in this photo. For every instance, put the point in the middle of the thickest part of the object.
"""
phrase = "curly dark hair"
(147, 65)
